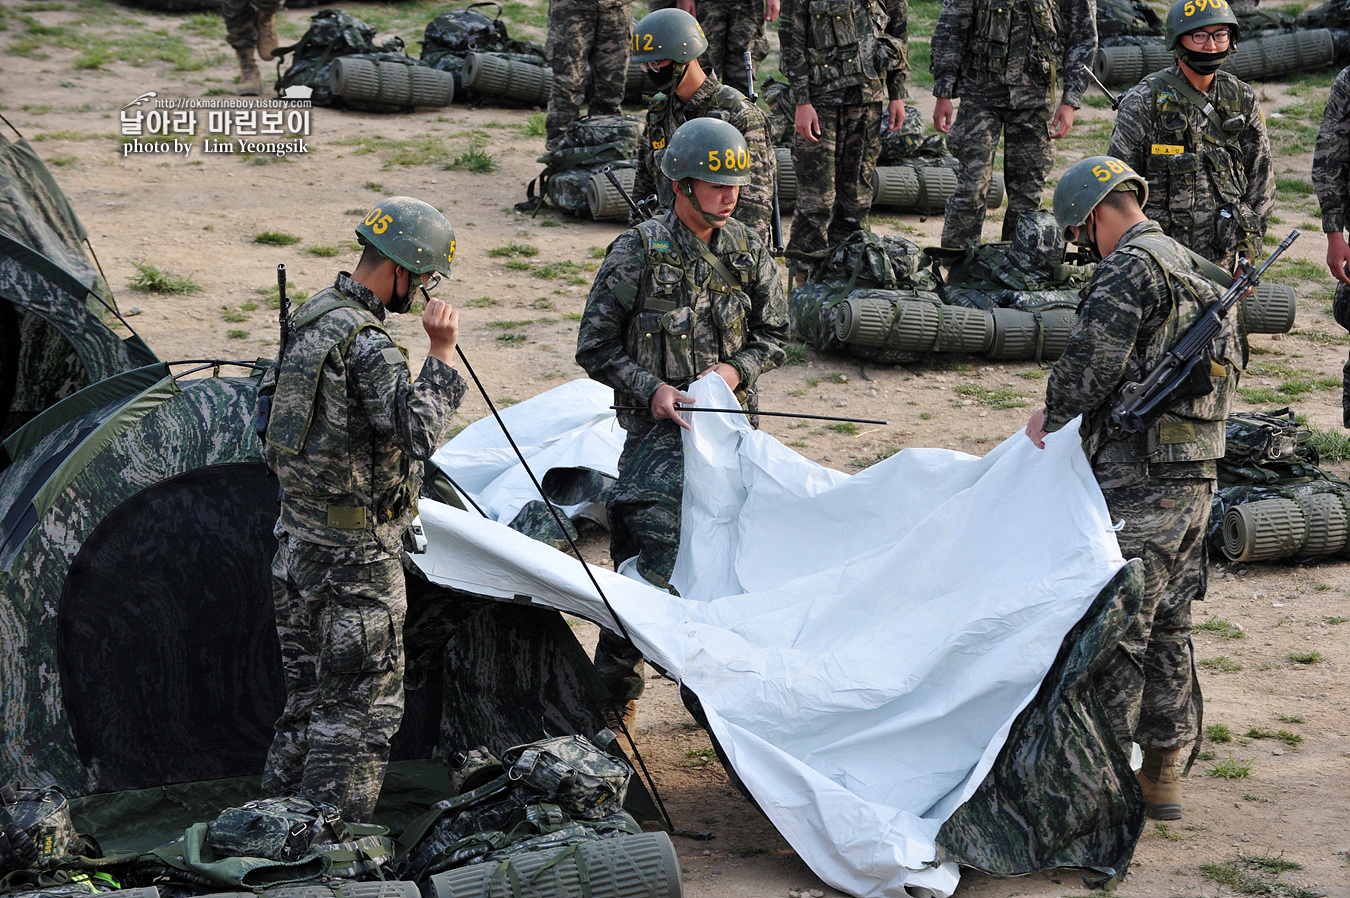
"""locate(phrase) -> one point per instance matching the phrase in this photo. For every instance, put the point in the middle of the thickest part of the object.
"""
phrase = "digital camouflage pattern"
(712, 99)
(241, 20)
(1139, 300)
(571, 772)
(283, 828)
(1062, 762)
(834, 177)
(350, 475)
(44, 815)
(665, 316)
(581, 33)
(1008, 55)
(1211, 183)
(340, 622)
(1027, 156)
(1331, 179)
(732, 27)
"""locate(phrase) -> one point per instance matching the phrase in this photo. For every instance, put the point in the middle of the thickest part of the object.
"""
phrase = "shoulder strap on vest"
(1193, 96)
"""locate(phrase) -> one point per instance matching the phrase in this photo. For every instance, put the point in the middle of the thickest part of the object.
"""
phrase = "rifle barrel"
(741, 411)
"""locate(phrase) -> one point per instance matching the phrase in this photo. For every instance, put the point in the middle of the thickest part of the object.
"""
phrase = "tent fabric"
(862, 645)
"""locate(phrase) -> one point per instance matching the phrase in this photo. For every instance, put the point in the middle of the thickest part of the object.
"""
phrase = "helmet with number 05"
(410, 232)
(1188, 15)
(1084, 185)
(708, 149)
(668, 34)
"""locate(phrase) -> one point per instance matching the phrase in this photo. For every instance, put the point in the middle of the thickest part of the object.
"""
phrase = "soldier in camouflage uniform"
(1142, 296)
(667, 44)
(1200, 138)
(1001, 59)
(732, 27)
(345, 431)
(686, 294)
(251, 25)
(581, 33)
(845, 61)
(1331, 178)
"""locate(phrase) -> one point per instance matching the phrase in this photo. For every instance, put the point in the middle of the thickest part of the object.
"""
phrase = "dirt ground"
(197, 215)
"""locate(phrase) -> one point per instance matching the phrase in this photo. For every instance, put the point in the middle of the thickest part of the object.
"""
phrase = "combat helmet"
(410, 232)
(1038, 244)
(1084, 185)
(708, 149)
(668, 34)
(1188, 15)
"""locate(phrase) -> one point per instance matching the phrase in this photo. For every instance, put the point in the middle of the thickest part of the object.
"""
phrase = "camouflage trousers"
(582, 32)
(1148, 686)
(241, 20)
(1340, 310)
(341, 631)
(732, 27)
(834, 176)
(644, 521)
(1026, 162)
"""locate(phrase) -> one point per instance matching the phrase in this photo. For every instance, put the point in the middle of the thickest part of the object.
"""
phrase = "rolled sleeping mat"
(1128, 65)
(1270, 309)
(1284, 528)
(1030, 335)
(787, 179)
(911, 321)
(495, 76)
(392, 84)
(636, 866)
(341, 888)
(917, 189)
(604, 199)
(1278, 54)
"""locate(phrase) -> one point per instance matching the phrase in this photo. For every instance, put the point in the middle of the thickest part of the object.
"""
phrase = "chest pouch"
(832, 23)
(993, 27)
(678, 327)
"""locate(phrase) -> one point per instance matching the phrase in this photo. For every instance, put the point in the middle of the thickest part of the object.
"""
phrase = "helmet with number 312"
(410, 232)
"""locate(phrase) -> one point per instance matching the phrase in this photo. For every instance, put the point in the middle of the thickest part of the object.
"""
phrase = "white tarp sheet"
(861, 644)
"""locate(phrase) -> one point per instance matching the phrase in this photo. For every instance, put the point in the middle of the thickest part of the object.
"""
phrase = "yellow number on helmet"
(647, 44)
(1190, 10)
(374, 214)
(1102, 173)
(742, 159)
(731, 158)
(451, 256)
(382, 225)
(714, 163)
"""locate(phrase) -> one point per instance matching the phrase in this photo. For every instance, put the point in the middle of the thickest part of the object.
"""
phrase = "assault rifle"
(1183, 372)
(1115, 100)
(644, 209)
(775, 223)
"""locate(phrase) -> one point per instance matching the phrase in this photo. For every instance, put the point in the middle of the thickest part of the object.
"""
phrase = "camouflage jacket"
(1138, 302)
(1331, 159)
(1211, 184)
(713, 99)
(838, 52)
(660, 313)
(1008, 53)
(347, 424)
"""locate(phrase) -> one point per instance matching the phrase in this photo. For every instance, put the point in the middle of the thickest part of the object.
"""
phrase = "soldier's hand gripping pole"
(634, 207)
(776, 222)
(1184, 371)
(1115, 100)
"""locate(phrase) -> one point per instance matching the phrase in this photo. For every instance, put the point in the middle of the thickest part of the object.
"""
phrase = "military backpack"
(334, 34)
(452, 36)
(588, 145)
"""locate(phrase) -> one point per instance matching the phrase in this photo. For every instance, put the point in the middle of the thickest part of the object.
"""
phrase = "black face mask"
(1086, 240)
(1204, 63)
(400, 304)
(667, 78)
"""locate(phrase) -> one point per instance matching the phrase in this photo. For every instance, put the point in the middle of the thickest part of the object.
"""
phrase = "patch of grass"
(1221, 663)
(1260, 733)
(153, 279)
(1032, 374)
(847, 427)
(375, 186)
(1163, 831)
(998, 397)
(249, 306)
(1296, 186)
(275, 238)
(544, 305)
(475, 159)
(573, 316)
(512, 339)
(1287, 270)
(1330, 620)
(1257, 798)
(519, 265)
(1220, 627)
(1306, 657)
(1247, 875)
(237, 335)
(513, 249)
(1259, 395)
(926, 416)
(1331, 445)
(1322, 339)
(1230, 768)
(550, 223)
(836, 378)
(880, 456)
(797, 354)
(700, 754)
(1217, 732)
(510, 325)
(597, 252)
(534, 126)
(1289, 718)
(204, 24)
(323, 252)
(1289, 738)
(425, 149)
(233, 316)
(556, 269)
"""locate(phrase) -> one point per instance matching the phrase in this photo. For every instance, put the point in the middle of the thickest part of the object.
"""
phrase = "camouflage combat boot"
(267, 35)
(250, 80)
(1161, 782)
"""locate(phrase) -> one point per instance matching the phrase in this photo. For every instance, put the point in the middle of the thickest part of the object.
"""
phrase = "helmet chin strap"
(687, 187)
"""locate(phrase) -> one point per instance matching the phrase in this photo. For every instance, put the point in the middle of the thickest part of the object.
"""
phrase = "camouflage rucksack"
(38, 828)
(874, 260)
(910, 141)
(573, 773)
(1118, 18)
(332, 34)
(453, 35)
(588, 145)
(280, 829)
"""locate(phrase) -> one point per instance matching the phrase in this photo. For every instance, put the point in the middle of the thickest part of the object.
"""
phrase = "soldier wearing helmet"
(346, 433)
(667, 44)
(1198, 136)
(584, 34)
(1144, 293)
(685, 295)
(1331, 178)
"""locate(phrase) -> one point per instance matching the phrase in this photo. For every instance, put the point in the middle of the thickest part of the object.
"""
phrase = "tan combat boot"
(250, 80)
(1161, 782)
(267, 35)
